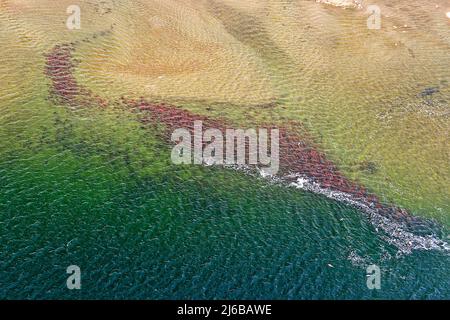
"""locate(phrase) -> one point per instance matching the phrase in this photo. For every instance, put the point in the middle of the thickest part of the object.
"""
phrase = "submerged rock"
(368, 166)
(429, 91)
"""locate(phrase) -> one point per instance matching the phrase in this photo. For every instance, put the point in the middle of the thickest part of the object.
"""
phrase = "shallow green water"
(96, 189)
(173, 232)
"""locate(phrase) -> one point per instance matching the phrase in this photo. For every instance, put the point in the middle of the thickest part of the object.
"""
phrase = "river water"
(92, 186)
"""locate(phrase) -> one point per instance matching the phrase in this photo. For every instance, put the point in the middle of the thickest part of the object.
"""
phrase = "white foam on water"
(357, 260)
(395, 232)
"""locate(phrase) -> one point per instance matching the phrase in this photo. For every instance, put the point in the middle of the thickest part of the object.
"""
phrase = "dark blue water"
(188, 233)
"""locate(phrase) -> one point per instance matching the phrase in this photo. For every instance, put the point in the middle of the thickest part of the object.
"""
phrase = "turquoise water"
(139, 227)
